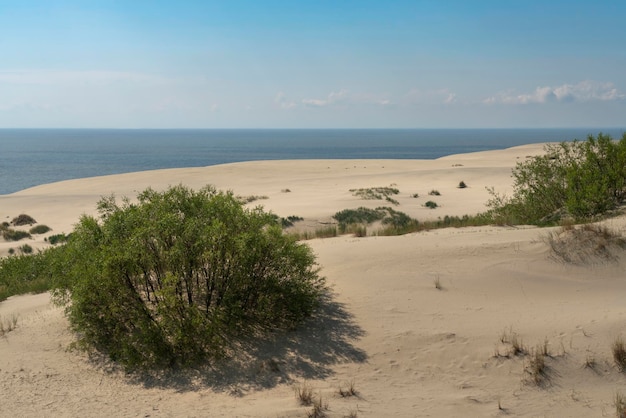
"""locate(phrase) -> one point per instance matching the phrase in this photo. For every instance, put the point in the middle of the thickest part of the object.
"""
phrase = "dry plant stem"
(619, 353)
(304, 394)
(620, 405)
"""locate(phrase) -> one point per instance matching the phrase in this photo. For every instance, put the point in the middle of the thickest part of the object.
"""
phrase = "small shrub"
(431, 205)
(23, 219)
(26, 249)
(415, 195)
(58, 238)
(462, 185)
(40, 229)
(285, 191)
(434, 192)
(359, 215)
(182, 277)
(619, 353)
(11, 251)
(15, 235)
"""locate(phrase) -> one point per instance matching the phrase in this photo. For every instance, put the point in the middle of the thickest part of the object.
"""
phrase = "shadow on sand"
(309, 352)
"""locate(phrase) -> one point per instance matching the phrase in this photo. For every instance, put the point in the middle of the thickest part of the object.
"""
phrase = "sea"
(31, 157)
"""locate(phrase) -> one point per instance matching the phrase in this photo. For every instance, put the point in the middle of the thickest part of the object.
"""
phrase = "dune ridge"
(420, 324)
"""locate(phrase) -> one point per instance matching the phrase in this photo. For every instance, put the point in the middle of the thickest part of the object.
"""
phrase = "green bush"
(431, 205)
(181, 277)
(57, 238)
(359, 215)
(581, 179)
(40, 229)
(26, 273)
(26, 249)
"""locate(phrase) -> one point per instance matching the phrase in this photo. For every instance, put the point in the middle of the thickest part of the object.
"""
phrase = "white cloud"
(282, 102)
(445, 96)
(332, 98)
(585, 91)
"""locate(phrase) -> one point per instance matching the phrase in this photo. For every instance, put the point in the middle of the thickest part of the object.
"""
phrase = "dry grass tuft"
(348, 390)
(304, 394)
(8, 324)
(619, 353)
(319, 408)
(620, 405)
(537, 369)
(587, 244)
(517, 347)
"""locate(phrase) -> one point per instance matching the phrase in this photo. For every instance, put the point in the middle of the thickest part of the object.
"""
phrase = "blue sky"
(312, 64)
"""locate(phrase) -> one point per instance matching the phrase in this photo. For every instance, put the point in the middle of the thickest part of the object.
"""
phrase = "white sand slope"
(412, 350)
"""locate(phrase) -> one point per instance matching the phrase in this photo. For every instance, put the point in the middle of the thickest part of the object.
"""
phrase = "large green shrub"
(581, 179)
(182, 275)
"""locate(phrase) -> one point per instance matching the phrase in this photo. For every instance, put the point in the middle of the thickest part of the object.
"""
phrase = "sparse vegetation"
(434, 192)
(377, 193)
(415, 195)
(462, 185)
(431, 205)
(584, 244)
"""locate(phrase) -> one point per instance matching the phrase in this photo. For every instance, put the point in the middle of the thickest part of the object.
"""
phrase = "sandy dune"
(412, 350)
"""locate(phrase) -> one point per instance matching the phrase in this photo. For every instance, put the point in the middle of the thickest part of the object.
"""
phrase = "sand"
(411, 349)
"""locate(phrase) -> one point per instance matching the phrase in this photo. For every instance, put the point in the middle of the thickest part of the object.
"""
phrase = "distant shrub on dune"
(23, 219)
(579, 179)
(40, 229)
(14, 234)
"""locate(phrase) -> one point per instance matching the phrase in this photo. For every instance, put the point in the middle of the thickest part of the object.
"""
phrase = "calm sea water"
(30, 157)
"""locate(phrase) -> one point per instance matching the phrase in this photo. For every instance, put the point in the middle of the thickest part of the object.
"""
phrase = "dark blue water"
(30, 157)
